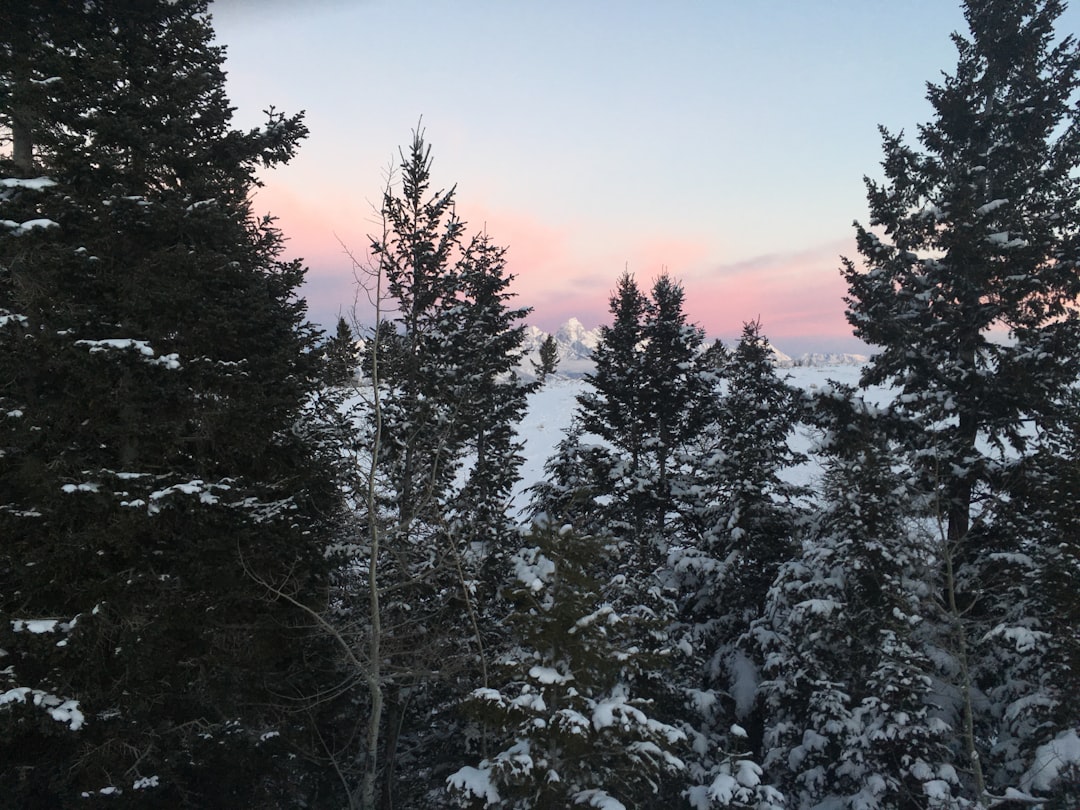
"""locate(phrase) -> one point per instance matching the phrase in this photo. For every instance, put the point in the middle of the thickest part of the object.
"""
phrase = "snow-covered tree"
(969, 293)
(849, 706)
(489, 333)
(647, 397)
(738, 519)
(565, 721)
(738, 512)
(437, 461)
(155, 363)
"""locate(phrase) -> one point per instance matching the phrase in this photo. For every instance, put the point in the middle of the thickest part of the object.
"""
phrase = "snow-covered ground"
(551, 410)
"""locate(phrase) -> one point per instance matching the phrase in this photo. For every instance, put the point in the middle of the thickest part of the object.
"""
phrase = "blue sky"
(722, 141)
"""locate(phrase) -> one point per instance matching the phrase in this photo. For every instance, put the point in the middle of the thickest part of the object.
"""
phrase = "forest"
(246, 564)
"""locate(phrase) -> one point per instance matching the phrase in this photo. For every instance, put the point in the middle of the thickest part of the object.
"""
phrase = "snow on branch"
(142, 347)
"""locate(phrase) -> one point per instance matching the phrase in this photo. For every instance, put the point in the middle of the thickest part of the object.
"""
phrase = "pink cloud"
(565, 271)
(797, 293)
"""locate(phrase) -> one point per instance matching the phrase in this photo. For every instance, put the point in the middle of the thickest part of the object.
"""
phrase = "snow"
(744, 683)
(142, 347)
(35, 184)
(61, 710)
(20, 228)
(532, 569)
(600, 799)
(475, 783)
(1051, 761)
(993, 205)
(548, 676)
(35, 626)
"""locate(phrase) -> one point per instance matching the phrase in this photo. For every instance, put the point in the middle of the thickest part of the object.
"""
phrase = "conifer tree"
(850, 715)
(612, 410)
(549, 359)
(446, 457)
(342, 356)
(648, 396)
(976, 234)
(979, 232)
(567, 720)
(155, 361)
(738, 527)
(739, 513)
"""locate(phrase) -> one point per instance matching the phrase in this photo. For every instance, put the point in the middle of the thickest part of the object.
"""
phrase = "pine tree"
(738, 524)
(567, 722)
(974, 235)
(155, 362)
(490, 333)
(739, 513)
(979, 233)
(677, 396)
(850, 713)
(441, 430)
(649, 395)
(342, 356)
(548, 361)
(612, 410)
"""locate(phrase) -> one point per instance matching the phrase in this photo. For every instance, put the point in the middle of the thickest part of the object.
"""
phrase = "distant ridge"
(576, 343)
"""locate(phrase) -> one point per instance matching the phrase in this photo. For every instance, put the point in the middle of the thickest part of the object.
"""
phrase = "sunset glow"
(721, 142)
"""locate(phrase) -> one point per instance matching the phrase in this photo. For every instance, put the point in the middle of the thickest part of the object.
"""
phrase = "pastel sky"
(722, 140)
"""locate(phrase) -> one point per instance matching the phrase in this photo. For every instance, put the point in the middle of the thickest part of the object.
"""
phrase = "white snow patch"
(36, 183)
(547, 675)
(20, 228)
(1051, 760)
(600, 799)
(475, 783)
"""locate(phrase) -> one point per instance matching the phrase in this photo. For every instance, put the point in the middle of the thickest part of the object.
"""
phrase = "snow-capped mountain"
(827, 359)
(576, 344)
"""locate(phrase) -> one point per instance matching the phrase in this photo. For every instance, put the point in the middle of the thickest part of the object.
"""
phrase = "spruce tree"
(979, 232)
(341, 355)
(155, 361)
(441, 360)
(648, 396)
(969, 295)
(612, 409)
(850, 716)
(549, 359)
(738, 524)
(567, 722)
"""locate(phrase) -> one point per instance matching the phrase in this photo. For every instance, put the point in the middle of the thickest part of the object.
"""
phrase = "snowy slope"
(552, 407)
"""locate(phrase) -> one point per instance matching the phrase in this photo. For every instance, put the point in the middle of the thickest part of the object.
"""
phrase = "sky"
(724, 142)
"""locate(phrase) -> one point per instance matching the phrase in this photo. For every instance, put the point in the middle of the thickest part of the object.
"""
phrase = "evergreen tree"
(490, 333)
(612, 409)
(549, 359)
(649, 395)
(677, 396)
(739, 513)
(567, 725)
(738, 527)
(980, 232)
(446, 457)
(850, 713)
(342, 356)
(155, 361)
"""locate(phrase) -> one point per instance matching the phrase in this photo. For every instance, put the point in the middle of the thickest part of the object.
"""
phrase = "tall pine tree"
(155, 360)
(969, 293)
